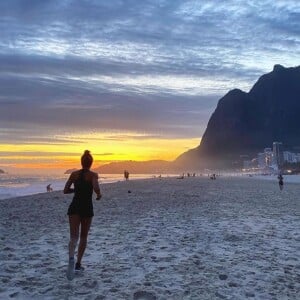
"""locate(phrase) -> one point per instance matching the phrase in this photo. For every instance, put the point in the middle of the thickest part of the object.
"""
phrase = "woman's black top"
(82, 203)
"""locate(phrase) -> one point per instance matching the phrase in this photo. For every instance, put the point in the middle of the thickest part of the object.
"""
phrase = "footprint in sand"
(143, 295)
(6, 280)
(13, 295)
(232, 238)
(46, 289)
(90, 285)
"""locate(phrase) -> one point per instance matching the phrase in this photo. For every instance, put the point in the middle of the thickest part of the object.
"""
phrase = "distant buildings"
(261, 160)
(278, 154)
(291, 157)
(265, 159)
(272, 159)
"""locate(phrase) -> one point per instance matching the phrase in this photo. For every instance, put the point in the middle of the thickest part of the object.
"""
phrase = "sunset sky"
(131, 79)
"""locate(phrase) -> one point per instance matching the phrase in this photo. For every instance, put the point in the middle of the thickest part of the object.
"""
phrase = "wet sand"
(230, 238)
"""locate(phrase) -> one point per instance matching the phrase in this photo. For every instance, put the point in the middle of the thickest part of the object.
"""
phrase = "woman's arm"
(96, 186)
(68, 189)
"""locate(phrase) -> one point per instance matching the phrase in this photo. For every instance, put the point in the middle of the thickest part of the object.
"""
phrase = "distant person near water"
(49, 188)
(126, 175)
(280, 181)
(81, 209)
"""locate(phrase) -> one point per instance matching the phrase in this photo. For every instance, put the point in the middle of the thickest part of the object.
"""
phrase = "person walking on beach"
(126, 175)
(280, 181)
(81, 209)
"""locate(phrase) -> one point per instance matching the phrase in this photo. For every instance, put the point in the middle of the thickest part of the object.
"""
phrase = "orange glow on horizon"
(105, 148)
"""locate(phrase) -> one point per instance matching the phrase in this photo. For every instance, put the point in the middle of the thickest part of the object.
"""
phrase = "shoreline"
(13, 186)
(288, 179)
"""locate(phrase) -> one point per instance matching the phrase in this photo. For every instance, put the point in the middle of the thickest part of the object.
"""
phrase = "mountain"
(246, 123)
(134, 167)
(137, 167)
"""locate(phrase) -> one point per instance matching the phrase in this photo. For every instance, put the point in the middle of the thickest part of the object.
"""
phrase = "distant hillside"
(137, 167)
(245, 123)
(1, 171)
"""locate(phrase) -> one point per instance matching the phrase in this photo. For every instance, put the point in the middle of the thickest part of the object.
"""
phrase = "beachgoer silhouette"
(49, 188)
(181, 177)
(280, 181)
(81, 209)
(126, 174)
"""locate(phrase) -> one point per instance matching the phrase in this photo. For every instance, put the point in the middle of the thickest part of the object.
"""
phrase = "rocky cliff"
(245, 123)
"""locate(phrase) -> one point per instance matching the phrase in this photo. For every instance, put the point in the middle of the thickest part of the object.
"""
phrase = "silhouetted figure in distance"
(126, 175)
(49, 188)
(280, 181)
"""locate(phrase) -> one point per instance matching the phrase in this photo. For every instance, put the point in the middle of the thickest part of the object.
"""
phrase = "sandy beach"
(230, 238)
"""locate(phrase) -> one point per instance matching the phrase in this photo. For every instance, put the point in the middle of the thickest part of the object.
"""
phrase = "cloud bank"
(151, 66)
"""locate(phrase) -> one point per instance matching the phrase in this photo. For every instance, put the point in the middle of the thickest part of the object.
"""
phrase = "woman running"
(81, 209)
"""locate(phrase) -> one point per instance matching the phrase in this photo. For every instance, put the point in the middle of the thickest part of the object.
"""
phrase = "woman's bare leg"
(74, 221)
(85, 227)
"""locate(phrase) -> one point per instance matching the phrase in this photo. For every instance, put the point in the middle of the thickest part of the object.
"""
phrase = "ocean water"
(23, 185)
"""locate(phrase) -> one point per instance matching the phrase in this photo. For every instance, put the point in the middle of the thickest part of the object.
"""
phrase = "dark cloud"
(163, 116)
(152, 66)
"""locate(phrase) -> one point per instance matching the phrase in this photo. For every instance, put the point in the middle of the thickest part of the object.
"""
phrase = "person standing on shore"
(126, 175)
(81, 209)
(49, 188)
(280, 181)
